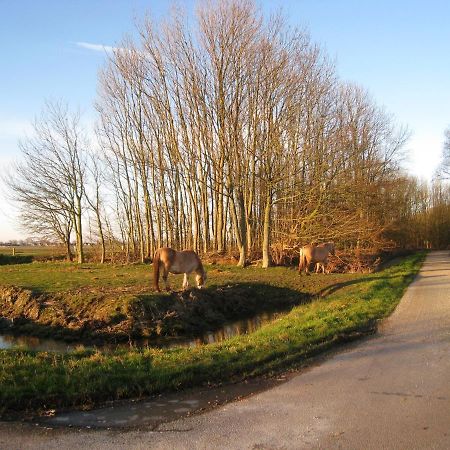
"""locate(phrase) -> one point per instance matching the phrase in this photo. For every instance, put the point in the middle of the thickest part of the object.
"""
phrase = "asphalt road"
(388, 392)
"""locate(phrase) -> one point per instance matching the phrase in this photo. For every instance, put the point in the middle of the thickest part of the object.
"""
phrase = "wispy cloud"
(14, 128)
(96, 47)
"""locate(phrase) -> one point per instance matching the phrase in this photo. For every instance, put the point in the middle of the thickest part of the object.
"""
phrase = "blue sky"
(398, 50)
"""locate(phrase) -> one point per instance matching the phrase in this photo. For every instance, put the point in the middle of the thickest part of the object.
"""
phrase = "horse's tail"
(301, 262)
(156, 271)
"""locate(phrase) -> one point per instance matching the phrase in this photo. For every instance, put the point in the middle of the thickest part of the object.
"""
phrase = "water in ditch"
(9, 341)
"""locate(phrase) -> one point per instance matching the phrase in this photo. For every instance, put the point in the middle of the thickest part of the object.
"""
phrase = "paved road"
(388, 392)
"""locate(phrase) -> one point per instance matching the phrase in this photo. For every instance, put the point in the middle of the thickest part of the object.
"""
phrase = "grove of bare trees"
(233, 135)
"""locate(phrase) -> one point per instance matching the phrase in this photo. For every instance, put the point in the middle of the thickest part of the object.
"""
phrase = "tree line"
(232, 135)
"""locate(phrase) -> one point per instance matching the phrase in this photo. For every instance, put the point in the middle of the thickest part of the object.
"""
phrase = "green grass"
(33, 381)
(65, 277)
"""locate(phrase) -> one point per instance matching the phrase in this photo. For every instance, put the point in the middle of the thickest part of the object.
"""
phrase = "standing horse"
(317, 254)
(186, 261)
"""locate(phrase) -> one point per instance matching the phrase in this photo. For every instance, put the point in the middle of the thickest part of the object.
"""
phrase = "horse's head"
(331, 248)
(200, 278)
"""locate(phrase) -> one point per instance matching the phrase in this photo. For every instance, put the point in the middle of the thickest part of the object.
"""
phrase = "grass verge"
(32, 381)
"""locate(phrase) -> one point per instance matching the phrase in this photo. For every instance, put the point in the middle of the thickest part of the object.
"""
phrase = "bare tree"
(95, 199)
(49, 182)
(443, 171)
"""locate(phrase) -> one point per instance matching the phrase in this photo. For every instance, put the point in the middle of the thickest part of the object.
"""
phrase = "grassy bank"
(94, 302)
(33, 381)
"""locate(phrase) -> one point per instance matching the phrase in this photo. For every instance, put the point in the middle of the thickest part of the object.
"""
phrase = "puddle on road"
(150, 413)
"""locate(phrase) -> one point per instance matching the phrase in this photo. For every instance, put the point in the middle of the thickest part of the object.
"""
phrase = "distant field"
(38, 251)
(28, 253)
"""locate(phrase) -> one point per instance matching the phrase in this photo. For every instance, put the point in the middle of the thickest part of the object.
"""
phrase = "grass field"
(37, 381)
(65, 277)
(50, 251)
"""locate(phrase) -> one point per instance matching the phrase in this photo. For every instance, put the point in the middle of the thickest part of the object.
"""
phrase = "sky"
(398, 50)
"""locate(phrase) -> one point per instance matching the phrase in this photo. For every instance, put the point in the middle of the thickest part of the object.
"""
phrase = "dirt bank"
(187, 313)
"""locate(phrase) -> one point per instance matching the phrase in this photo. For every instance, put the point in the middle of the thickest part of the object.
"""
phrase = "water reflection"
(226, 332)
(34, 343)
(236, 328)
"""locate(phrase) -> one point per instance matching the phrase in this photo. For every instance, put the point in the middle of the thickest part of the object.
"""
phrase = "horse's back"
(185, 261)
(321, 251)
(166, 254)
(315, 253)
(320, 254)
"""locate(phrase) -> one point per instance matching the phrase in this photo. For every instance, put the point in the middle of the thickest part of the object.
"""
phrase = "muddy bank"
(177, 314)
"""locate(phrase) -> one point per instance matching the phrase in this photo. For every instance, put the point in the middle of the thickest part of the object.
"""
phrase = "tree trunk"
(79, 233)
(101, 235)
(240, 227)
(69, 249)
(266, 232)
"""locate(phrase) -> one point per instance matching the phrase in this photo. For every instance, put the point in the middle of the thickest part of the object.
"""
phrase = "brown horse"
(186, 261)
(317, 254)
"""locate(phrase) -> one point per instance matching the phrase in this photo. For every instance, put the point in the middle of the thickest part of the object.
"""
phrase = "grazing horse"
(317, 254)
(186, 261)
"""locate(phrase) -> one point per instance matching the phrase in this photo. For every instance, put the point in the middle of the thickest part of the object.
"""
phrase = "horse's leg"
(308, 262)
(165, 275)
(185, 281)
